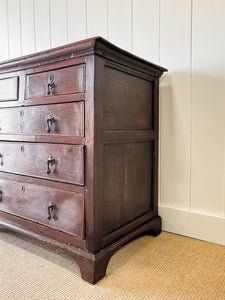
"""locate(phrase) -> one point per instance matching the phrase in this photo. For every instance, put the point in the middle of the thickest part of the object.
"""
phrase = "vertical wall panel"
(58, 14)
(76, 20)
(42, 25)
(4, 49)
(27, 26)
(120, 23)
(146, 29)
(97, 18)
(208, 121)
(175, 102)
(14, 28)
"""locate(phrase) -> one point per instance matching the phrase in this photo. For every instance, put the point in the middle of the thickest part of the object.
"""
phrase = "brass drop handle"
(50, 121)
(51, 208)
(50, 162)
(51, 84)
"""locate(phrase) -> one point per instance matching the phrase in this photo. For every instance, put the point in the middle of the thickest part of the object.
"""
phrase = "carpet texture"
(166, 267)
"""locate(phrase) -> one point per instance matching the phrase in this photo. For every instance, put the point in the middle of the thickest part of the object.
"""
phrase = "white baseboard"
(193, 224)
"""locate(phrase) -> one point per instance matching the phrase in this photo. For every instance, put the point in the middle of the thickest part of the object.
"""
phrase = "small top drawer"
(9, 89)
(68, 80)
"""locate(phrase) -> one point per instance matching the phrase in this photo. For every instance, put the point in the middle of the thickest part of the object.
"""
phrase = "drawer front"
(60, 119)
(64, 163)
(9, 89)
(59, 209)
(64, 81)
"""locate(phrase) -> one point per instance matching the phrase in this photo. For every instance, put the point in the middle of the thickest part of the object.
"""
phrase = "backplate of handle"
(50, 162)
(51, 84)
(50, 120)
(51, 208)
(1, 159)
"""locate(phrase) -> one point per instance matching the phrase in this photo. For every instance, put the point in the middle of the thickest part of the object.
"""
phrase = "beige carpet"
(166, 267)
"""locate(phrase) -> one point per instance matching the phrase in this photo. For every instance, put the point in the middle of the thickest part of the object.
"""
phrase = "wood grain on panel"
(64, 163)
(32, 202)
(42, 25)
(76, 11)
(175, 102)
(97, 18)
(120, 23)
(55, 119)
(138, 179)
(4, 42)
(68, 80)
(27, 27)
(126, 183)
(146, 29)
(9, 88)
(58, 12)
(128, 101)
(113, 187)
(208, 108)
(14, 28)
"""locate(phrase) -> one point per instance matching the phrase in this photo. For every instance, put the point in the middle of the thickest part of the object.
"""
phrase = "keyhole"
(22, 149)
(23, 189)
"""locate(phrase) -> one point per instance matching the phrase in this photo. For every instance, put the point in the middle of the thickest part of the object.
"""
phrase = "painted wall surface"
(185, 36)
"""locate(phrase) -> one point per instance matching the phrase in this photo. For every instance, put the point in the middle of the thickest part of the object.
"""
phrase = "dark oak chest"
(79, 149)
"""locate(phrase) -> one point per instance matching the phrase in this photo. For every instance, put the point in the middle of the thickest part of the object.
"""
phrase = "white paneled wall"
(27, 26)
(146, 29)
(208, 103)
(76, 12)
(120, 23)
(97, 18)
(187, 37)
(42, 24)
(4, 41)
(14, 28)
(58, 22)
(175, 54)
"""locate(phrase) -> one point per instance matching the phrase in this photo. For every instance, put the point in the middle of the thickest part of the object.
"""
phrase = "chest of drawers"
(79, 149)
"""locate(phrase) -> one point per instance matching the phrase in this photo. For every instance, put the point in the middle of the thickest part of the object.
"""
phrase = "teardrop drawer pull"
(50, 162)
(51, 84)
(51, 208)
(50, 121)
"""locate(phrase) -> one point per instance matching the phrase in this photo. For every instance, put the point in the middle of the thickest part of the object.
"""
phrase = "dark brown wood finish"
(33, 159)
(127, 101)
(33, 202)
(79, 149)
(35, 120)
(9, 89)
(68, 80)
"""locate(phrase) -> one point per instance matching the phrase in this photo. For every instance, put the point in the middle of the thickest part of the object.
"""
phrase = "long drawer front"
(58, 209)
(63, 163)
(59, 119)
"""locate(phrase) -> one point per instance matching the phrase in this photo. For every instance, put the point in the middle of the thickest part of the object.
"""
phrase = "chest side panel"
(128, 149)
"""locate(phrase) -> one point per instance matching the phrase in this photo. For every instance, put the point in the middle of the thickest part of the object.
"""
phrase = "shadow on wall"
(192, 133)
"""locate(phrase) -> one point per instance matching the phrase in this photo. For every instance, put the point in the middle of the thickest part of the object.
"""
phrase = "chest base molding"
(92, 265)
